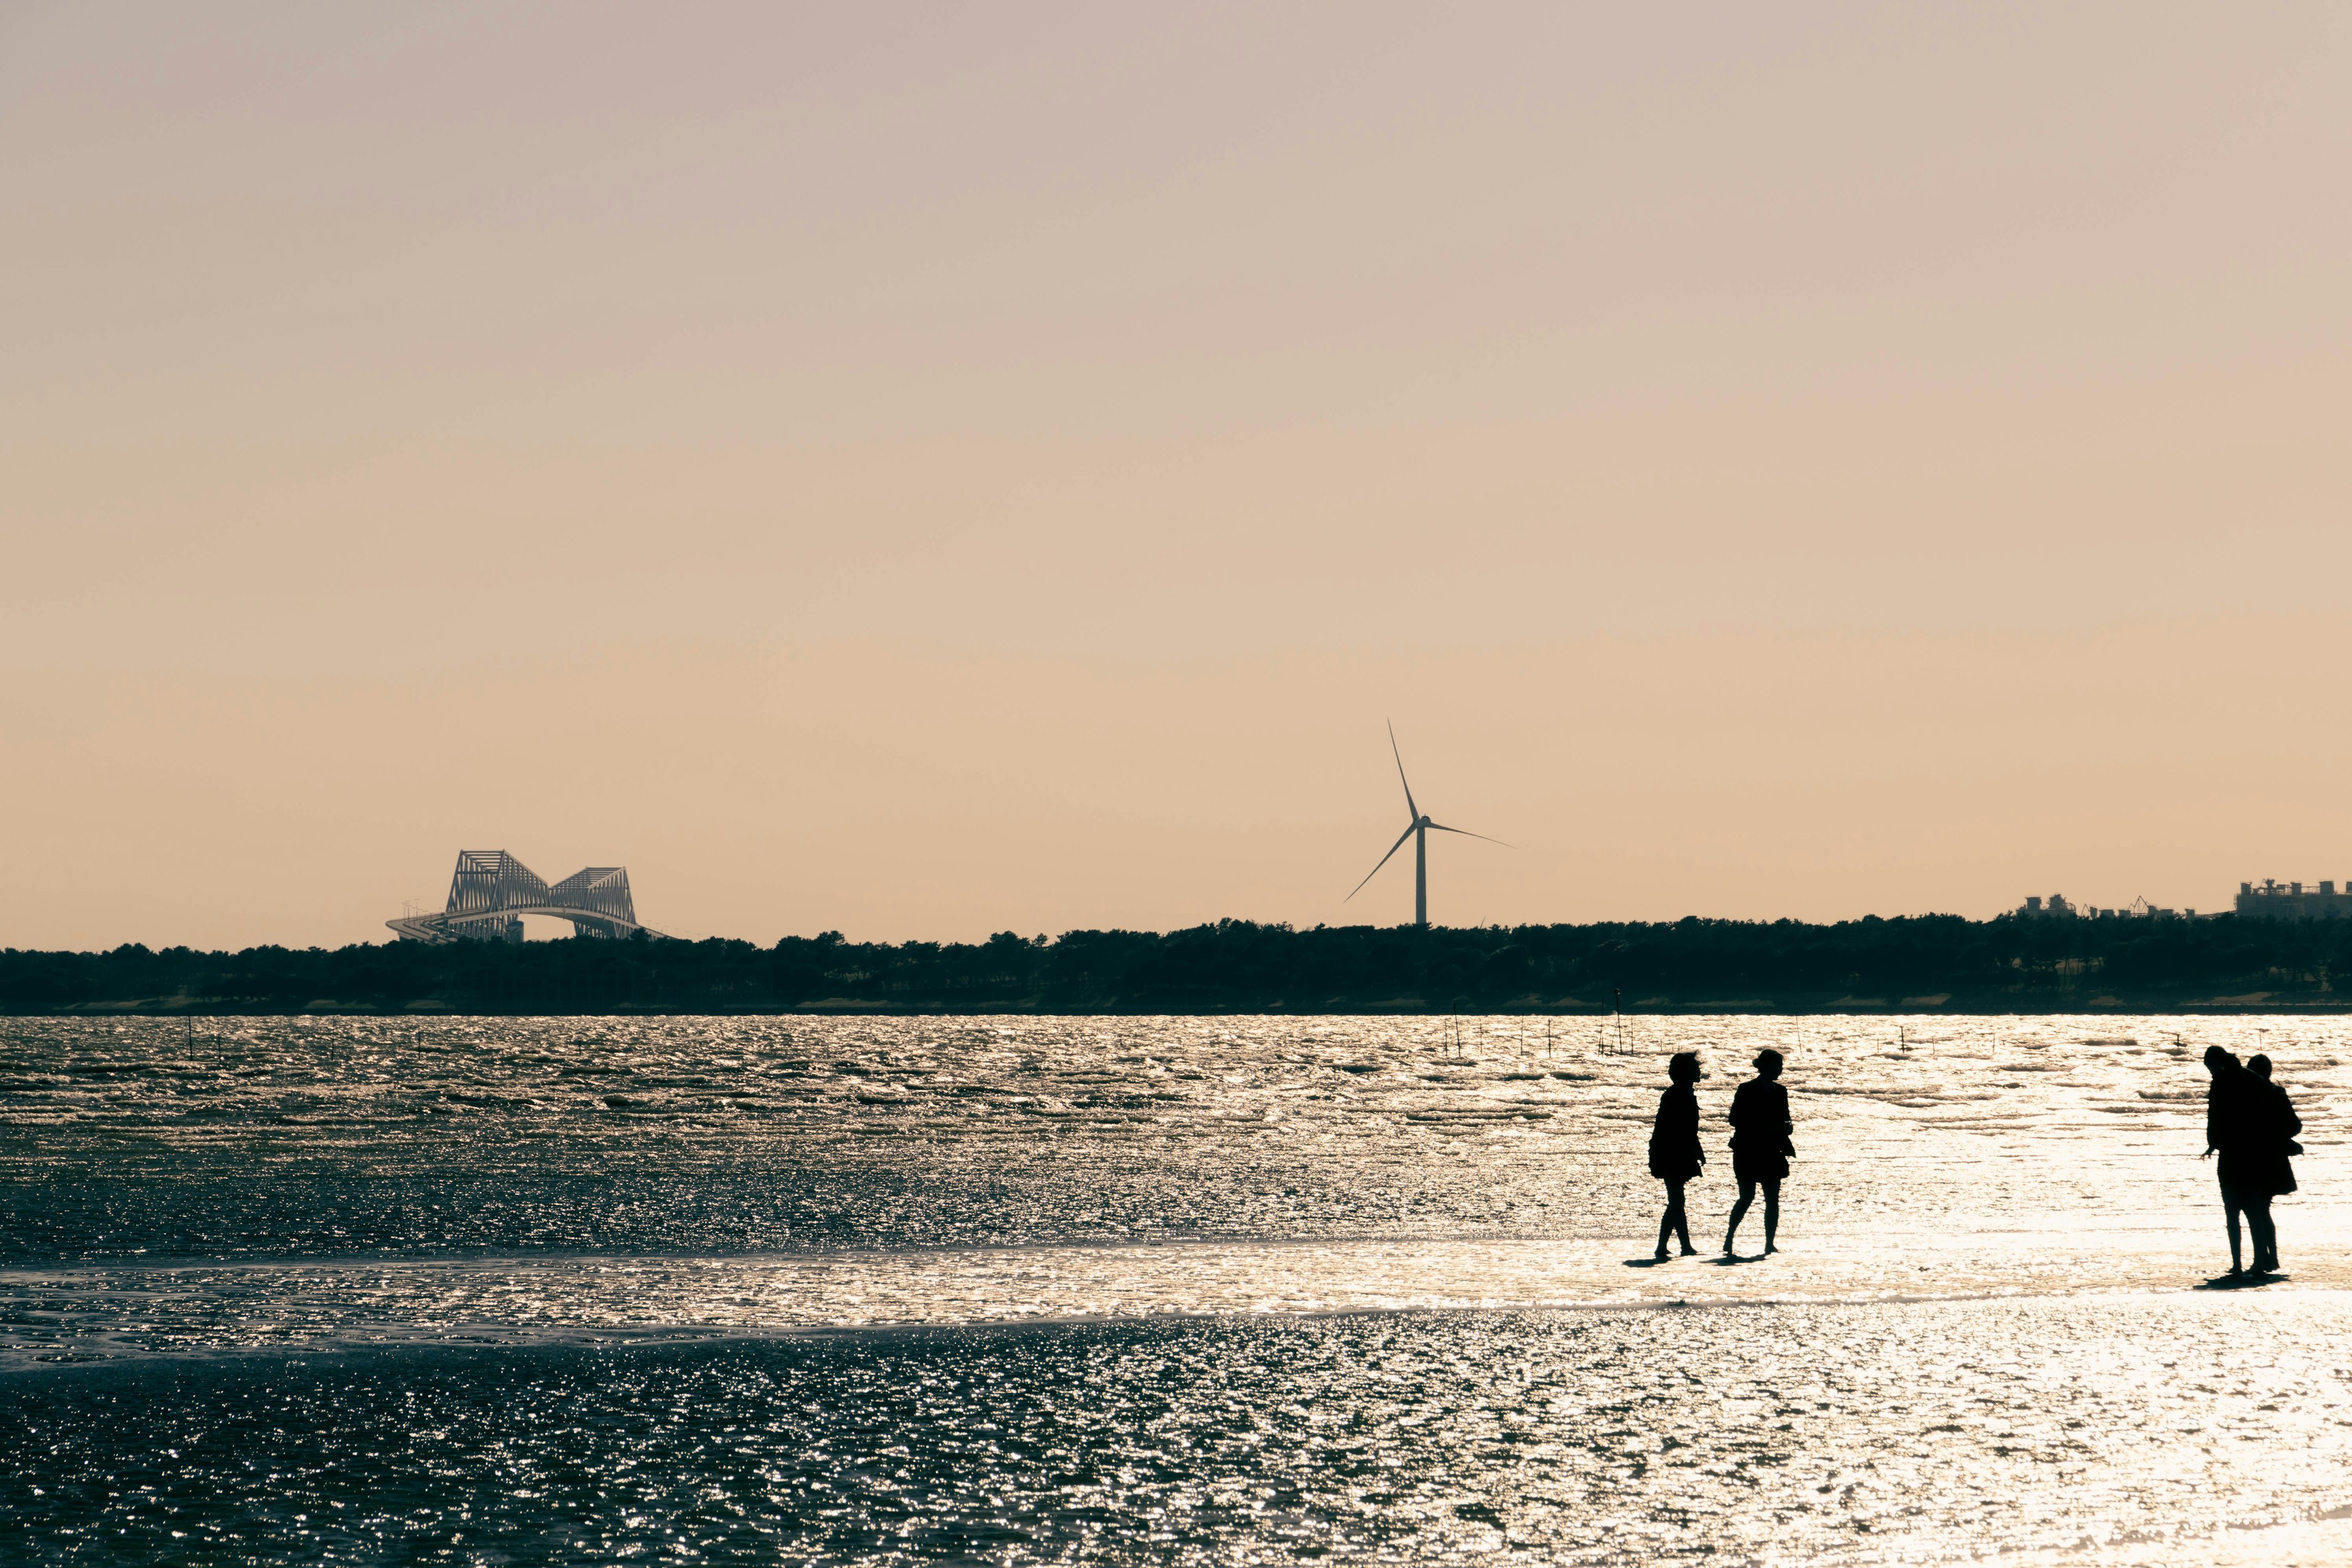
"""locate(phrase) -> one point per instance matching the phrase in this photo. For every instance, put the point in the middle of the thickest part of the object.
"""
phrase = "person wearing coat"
(1675, 1154)
(2236, 1116)
(2273, 1171)
(1760, 1146)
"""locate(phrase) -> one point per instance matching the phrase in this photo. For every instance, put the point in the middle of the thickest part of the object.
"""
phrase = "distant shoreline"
(1918, 965)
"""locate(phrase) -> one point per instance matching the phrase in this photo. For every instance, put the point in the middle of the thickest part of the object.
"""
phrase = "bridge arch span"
(491, 892)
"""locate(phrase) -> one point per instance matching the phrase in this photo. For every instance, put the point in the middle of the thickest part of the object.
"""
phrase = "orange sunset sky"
(923, 471)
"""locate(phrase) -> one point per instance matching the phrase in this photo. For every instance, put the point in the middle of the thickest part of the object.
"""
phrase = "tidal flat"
(860, 1290)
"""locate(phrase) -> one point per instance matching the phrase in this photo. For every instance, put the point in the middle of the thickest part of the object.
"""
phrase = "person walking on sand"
(2234, 1115)
(1760, 1146)
(2276, 1125)
(1675, 1154)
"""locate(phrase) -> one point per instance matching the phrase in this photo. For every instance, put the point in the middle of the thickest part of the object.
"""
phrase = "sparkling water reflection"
(2186, 1430)
(525, 1291)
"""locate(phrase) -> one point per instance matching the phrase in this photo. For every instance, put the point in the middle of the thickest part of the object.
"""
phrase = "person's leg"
(2230, 1208)
(1674, 1216)
(1681, 1224)
(2264, 1231)
(1771, 1213)
(1739, 1211)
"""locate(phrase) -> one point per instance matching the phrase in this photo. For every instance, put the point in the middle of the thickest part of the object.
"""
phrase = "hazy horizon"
(921, 473)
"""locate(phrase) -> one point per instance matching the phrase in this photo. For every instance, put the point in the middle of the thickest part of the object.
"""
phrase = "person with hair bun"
(1676, 1155)
(1760, 1146)
(2276, 1125)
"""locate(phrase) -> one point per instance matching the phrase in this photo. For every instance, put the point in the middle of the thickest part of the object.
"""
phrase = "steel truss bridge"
(493, 890)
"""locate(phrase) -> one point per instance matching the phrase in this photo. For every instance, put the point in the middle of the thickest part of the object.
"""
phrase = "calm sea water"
(1175, 1289)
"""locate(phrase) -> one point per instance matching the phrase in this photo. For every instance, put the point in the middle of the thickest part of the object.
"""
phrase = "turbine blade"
(1400, 778)
(1441, 827)
(1384, 861)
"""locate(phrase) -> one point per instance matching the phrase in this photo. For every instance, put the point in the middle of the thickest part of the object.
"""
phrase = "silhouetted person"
(2273, 1174)
(2235, 1107)
(1676, 1156)
(1760, 1146)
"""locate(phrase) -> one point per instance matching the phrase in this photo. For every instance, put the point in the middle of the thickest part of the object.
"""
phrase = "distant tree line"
(1916, 964)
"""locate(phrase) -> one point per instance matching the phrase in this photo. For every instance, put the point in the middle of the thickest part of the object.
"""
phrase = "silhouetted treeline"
(1921, 963)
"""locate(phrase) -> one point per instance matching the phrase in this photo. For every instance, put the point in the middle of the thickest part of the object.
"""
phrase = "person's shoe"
(1770, 1247)
(1661, 1256)
(1687, 1252)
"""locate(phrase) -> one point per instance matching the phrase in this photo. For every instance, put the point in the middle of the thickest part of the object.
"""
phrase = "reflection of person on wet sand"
(1760, 1146)
(1676, 1155)
(2236, 1107)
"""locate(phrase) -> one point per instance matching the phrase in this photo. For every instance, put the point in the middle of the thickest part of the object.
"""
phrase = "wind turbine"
(1418, 830)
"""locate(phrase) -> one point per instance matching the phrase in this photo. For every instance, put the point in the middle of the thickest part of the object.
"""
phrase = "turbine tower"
(1418, 830)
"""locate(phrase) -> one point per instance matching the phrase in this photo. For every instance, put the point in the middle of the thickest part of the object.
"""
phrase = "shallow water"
(1369, 1286)
(1856, 1434)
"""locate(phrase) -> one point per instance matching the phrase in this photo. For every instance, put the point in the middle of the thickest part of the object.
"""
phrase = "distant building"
(2056, 907)
(2276, 900)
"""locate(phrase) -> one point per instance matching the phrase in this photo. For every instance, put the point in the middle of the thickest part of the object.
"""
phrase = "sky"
(921, 471)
